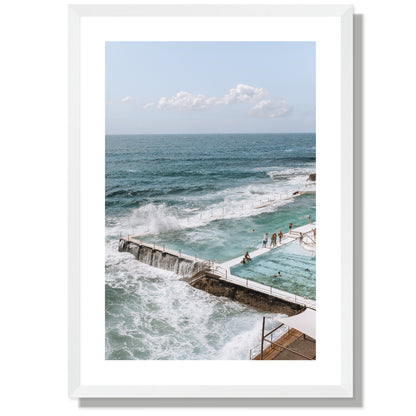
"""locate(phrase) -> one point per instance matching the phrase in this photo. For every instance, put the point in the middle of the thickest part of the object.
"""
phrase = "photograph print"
(210, 201)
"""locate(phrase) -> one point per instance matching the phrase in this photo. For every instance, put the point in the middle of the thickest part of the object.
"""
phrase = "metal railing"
(163, 249)
(307, 241)
(224, 274)
(256, 350)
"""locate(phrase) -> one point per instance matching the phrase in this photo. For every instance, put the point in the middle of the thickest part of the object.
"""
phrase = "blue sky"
(210, 87)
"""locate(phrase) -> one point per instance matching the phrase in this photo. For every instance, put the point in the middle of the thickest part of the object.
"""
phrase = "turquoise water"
(224, 239)
(296, 266)
(199, 193)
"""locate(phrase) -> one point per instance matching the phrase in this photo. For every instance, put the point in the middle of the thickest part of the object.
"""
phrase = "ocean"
(213, 196)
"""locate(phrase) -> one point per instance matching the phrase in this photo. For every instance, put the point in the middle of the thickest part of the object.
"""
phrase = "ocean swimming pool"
(296, 266)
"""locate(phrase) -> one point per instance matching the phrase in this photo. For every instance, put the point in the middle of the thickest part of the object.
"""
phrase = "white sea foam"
(165, 318)
(162, 317)
(230, 203)
(239, 346)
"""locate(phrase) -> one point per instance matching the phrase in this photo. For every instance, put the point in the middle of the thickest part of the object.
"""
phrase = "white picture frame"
(88, 321)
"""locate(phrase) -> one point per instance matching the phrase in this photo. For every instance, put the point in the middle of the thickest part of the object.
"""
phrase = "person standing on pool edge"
(273, 240)
(265, 238)
(280, 236)
(290, 228)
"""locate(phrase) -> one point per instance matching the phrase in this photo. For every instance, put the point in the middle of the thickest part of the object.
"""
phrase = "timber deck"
(290, 346)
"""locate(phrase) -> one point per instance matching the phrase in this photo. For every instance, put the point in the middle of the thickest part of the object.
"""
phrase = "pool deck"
(287, 238)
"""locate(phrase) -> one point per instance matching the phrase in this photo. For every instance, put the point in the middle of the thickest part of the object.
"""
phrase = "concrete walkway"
(287, 238)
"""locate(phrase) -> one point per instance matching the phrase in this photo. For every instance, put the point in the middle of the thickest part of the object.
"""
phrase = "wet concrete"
(258, 300)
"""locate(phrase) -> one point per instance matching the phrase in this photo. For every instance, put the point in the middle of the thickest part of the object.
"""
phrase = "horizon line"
(158, 134)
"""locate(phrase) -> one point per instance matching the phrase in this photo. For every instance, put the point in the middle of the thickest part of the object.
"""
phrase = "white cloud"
(126, 99)
(270, 109)
(244, 94)
(186, 101)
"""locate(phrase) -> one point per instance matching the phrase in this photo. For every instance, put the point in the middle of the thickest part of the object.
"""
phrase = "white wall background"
(33, 164)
